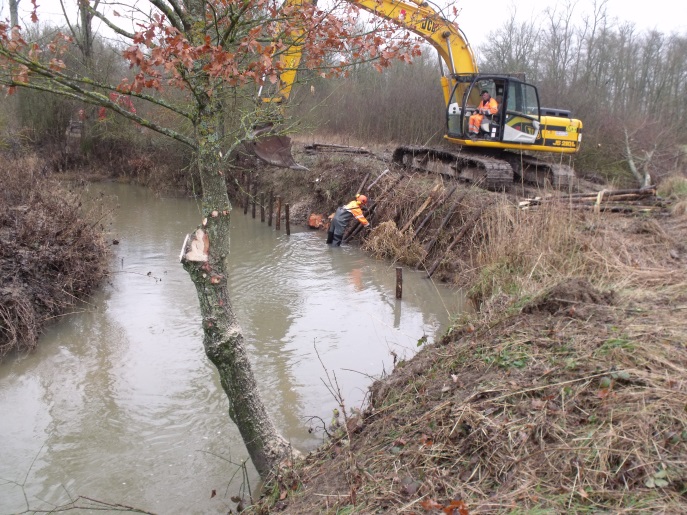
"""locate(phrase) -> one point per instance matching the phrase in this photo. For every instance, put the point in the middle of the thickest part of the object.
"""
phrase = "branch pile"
(51, 255)
(615, 201)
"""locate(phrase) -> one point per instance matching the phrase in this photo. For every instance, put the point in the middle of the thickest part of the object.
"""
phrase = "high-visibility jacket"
(353, 207)
(490, 107)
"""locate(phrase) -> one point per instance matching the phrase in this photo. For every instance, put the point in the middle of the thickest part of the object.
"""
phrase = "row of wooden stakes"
(266, 203)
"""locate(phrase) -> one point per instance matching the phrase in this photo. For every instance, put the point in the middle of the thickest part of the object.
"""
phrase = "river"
(119, 401)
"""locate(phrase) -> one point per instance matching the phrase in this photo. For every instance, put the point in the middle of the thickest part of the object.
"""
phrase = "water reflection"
(120, 403)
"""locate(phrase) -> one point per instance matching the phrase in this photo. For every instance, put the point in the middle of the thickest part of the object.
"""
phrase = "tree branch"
(174, 20)
(106, 21)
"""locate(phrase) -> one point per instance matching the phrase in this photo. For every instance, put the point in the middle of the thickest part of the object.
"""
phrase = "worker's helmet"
(362, 199)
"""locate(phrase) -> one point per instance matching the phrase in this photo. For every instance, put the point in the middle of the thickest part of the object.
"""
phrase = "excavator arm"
(415, 16)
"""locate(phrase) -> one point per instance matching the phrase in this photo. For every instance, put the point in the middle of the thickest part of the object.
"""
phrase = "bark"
(643, 177)
(14, 12)
(205, 258)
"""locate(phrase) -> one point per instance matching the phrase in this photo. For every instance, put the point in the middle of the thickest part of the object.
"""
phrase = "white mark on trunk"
(200, 246)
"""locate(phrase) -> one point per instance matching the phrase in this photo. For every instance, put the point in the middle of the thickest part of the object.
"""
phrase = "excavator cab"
(516, 121)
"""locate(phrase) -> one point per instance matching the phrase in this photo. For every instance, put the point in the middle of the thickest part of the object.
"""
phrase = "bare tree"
(512, 47)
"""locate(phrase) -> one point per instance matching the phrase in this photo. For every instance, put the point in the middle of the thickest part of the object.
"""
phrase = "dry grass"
(522, 252)
(387, 242)
(673, 187)
(531, 420)
(52, 251)
(680, 209)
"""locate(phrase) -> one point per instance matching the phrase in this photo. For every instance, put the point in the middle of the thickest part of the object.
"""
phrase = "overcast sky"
(477, 18)
(646, 15)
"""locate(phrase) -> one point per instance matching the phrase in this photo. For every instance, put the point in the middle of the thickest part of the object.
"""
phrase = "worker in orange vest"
(343, 215)
(487, 107)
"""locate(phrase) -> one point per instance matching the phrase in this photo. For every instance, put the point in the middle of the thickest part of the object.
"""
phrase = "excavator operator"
(487, 107)
(343, 215)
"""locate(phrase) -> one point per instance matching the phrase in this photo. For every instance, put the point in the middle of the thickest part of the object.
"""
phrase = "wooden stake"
(277, 224)
(433, 209)
(399, 282)
(254, 198)
(270, 208)
(432, 242)
(262, 206)
(288, 225)
(362, 184)
(421, 209)
(247, 198)
(377, 179)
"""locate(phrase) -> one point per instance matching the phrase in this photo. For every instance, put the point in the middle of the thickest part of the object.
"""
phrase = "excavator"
(500, 154)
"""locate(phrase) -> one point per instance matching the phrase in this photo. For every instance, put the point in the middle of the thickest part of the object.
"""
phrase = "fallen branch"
(421, 208)
(601, 196)
(468, 225)
(440, 201)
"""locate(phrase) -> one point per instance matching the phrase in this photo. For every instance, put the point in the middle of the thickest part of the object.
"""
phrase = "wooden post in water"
(270, 208)
(262, 206)
(277, 223)
(254, 199)
(288, 225)
(399, 282)
(246, 187)
(239, 186)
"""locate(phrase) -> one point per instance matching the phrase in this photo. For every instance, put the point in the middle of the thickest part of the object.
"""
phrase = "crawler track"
(489, 172)
(492, 171)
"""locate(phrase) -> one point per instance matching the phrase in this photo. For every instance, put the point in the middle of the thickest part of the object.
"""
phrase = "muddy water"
(119, 402)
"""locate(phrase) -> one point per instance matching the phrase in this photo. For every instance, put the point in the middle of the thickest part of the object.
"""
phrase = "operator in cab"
(487, 107)
(343, 215)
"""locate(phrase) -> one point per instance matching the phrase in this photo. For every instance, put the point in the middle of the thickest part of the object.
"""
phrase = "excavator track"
(534, 171)
(486, 171)
(494, 172)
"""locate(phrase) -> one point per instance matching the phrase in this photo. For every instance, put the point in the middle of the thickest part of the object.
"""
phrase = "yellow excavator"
(500, 153)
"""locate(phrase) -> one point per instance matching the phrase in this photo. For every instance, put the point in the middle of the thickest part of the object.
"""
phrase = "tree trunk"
(206, 260)
(14, 12)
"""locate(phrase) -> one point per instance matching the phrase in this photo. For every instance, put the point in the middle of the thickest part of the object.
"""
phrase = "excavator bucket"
(272, 148)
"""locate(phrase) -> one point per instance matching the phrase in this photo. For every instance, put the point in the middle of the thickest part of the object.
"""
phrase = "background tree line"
(626, 85)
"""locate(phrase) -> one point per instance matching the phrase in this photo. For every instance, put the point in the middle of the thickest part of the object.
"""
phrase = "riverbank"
(53, 250)
(565, 392)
